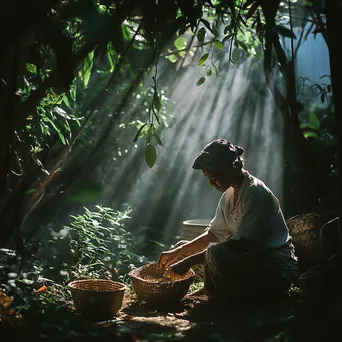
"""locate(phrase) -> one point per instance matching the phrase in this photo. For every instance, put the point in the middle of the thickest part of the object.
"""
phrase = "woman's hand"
(167, 258)
(177, 270)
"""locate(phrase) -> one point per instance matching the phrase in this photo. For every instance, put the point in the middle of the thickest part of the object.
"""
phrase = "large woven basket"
(305, 230)
(150, 286)
(97, 297)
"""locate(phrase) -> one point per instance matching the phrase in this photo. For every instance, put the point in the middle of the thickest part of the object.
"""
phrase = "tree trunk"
(334, 15)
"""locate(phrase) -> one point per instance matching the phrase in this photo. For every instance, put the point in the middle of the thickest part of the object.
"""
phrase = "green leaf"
(252, 9)
(138, 133)
(156, 102)
(87, 67)
(230, 35)
(226, 29)
(172, 58)
(31, 68)
(310, 134)
(313, 120)
(201, 35)
(60, 134)
(150, 155)
(207, 25)
(157, 137)
(242, 44)
(180, 43)
(66, 101)
(235, 55)
(203, 59)
(208, 73)
(218, 44)
(73, 91)
(111, 55)
(284, 31)
(215, 69)
(200, 81)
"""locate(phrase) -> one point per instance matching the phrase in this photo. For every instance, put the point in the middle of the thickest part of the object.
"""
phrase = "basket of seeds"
(152, 287)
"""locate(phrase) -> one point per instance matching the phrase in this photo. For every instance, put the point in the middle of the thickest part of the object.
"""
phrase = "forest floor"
(316, 316)
(198, 319)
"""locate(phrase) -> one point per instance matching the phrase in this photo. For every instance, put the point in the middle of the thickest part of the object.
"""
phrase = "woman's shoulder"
(256, 187)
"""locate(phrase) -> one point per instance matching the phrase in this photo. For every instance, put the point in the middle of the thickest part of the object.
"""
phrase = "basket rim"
(132, 275)
(80, 281)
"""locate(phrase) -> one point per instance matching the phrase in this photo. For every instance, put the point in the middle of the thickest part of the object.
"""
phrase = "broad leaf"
(252, 10)
(207, 25)
(201, 35)
(180, 43)
(150, 155)
(156, 102)
(284, 31)
(200, 81)
(203, 59)
(218, 44)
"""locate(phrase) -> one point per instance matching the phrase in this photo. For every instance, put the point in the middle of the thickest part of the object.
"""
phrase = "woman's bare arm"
(192, 247)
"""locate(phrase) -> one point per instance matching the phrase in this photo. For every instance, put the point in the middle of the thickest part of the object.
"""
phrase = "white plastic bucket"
(194, 228)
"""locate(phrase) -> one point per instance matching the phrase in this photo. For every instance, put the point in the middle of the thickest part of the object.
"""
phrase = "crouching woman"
(246, 250)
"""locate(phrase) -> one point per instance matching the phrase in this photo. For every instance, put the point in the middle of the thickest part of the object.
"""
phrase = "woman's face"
(221, 181)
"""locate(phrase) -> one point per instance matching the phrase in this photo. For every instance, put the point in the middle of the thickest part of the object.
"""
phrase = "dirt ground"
(196, 318)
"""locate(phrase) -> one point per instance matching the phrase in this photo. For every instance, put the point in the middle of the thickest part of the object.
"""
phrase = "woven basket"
(305, 231)
(151, 287)
(97, 297)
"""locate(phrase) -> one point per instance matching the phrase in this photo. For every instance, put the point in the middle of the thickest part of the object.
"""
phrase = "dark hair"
(219, 156)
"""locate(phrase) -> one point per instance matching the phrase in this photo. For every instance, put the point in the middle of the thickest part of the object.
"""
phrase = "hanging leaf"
(156, 102)
(218, 44)
(215, 69)
(207, 25)
(201, 35)
(230, 35)
(200, 81)
(156, 116)
(242, 44)
(252, 10)
(87, 67)
(157, 137)
(150, 155)
(226, 29)
(235, 55)
(203, 59)
(138, 133)
(284, 31)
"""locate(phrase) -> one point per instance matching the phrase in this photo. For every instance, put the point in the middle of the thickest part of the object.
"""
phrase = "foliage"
(94, 245)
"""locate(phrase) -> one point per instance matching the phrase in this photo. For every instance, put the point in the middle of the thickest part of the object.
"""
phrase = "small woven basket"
(97, 297)
(151, 287)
